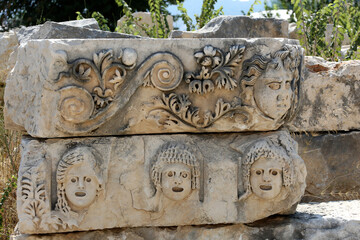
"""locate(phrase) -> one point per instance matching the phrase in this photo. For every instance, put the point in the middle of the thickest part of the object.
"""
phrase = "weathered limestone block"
(8, 44)
(85, 28)
(332, 220)
(238, 27)
(330, 97)
(105, 182)
(333, 165)
(112, 87)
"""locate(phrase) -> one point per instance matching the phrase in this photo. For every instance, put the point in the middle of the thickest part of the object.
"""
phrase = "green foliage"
(208, 12)
(14, 13)
(251, 9)
(133, 25)
(8, 189)
(185, 17)
(312, 21)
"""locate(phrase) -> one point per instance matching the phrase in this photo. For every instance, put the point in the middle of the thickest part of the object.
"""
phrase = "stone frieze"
(117, 87)
(77, 184)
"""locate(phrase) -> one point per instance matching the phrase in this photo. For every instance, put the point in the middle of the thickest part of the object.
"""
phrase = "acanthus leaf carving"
(36, 212)
(216, 69)
(99, 78)
(178, 108)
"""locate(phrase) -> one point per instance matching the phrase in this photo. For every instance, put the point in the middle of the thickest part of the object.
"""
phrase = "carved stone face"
(266, 178)
(81, 185)
(176, 181)
(272, 92)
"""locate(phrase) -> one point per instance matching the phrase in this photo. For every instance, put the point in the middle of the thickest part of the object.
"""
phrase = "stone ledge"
(314, 221)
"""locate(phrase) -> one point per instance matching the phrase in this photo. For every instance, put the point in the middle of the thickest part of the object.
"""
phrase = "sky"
(230, 7)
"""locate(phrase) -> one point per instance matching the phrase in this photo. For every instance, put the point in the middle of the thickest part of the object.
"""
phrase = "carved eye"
(258, 172)
(170, 174)
(73, 180)
(88, 179)
(274, 85)
(184, 175)
(287, 84)
(274, 173)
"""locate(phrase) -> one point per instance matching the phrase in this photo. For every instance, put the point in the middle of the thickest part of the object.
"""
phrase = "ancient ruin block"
(76, 184)
(118, 87)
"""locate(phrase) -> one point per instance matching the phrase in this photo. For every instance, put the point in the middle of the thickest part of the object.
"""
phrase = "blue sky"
(230, 7)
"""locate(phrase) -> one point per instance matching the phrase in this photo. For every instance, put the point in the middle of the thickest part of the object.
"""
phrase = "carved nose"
(178, 181)
(266, 177)
(81, 183)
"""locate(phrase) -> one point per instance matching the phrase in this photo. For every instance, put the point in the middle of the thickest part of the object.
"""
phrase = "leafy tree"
(14, 13)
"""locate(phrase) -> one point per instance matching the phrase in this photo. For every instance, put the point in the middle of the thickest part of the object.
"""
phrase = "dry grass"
(9, 164)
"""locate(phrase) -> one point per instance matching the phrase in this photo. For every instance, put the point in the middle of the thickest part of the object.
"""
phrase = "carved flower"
(207, 57)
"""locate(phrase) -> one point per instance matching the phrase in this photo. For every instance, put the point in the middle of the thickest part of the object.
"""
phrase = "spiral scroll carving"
(76, 105)
(166, 74)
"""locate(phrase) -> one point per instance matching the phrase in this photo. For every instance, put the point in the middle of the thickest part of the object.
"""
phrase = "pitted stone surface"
(117, 87)
(330, 97)
(311, 222)
(77, 184)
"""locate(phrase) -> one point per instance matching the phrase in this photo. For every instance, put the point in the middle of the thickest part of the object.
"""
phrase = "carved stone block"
(105, 182)
(332, 220)
(116, 87)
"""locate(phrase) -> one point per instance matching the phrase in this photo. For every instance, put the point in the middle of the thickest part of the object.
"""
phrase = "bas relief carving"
(88, 87)
(273, 176)
(257, 93)
(175, 175)
(150, 184)
(79, 178)
(270, 85)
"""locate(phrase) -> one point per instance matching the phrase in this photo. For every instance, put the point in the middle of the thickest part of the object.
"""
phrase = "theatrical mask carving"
(79, 180)
(267, 169)
(176, 172)
(270, 84)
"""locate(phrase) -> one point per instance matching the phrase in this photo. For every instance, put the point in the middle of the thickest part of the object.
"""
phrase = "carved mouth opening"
(266, 187)
(177, 189)
(80, 194)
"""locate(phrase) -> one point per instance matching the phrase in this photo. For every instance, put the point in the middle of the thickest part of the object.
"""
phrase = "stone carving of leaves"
(84, 73)
(216, 69)
(100, 77)
(34, 205)
(117, 79)
(180, 108)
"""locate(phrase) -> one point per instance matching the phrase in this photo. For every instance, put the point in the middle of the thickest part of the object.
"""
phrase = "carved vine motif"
(180, 109)
(166, 74)
(100, 78)
(36, 213)
(217, 69)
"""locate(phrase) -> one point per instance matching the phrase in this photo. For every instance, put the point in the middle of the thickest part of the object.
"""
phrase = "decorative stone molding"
(112, 87)
(106, 182)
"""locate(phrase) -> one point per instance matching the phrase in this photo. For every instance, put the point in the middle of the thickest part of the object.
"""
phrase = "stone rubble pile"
(139, 132)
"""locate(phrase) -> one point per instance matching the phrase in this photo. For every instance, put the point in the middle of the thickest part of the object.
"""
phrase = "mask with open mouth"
(80, 186)
(266, 178)
(176, 181)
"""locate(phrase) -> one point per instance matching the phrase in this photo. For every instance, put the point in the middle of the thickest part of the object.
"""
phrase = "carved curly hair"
(289, 57)
(268, 148)
(175, 153)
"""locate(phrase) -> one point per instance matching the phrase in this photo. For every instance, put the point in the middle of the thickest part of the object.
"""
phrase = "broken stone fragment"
(238, 27)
